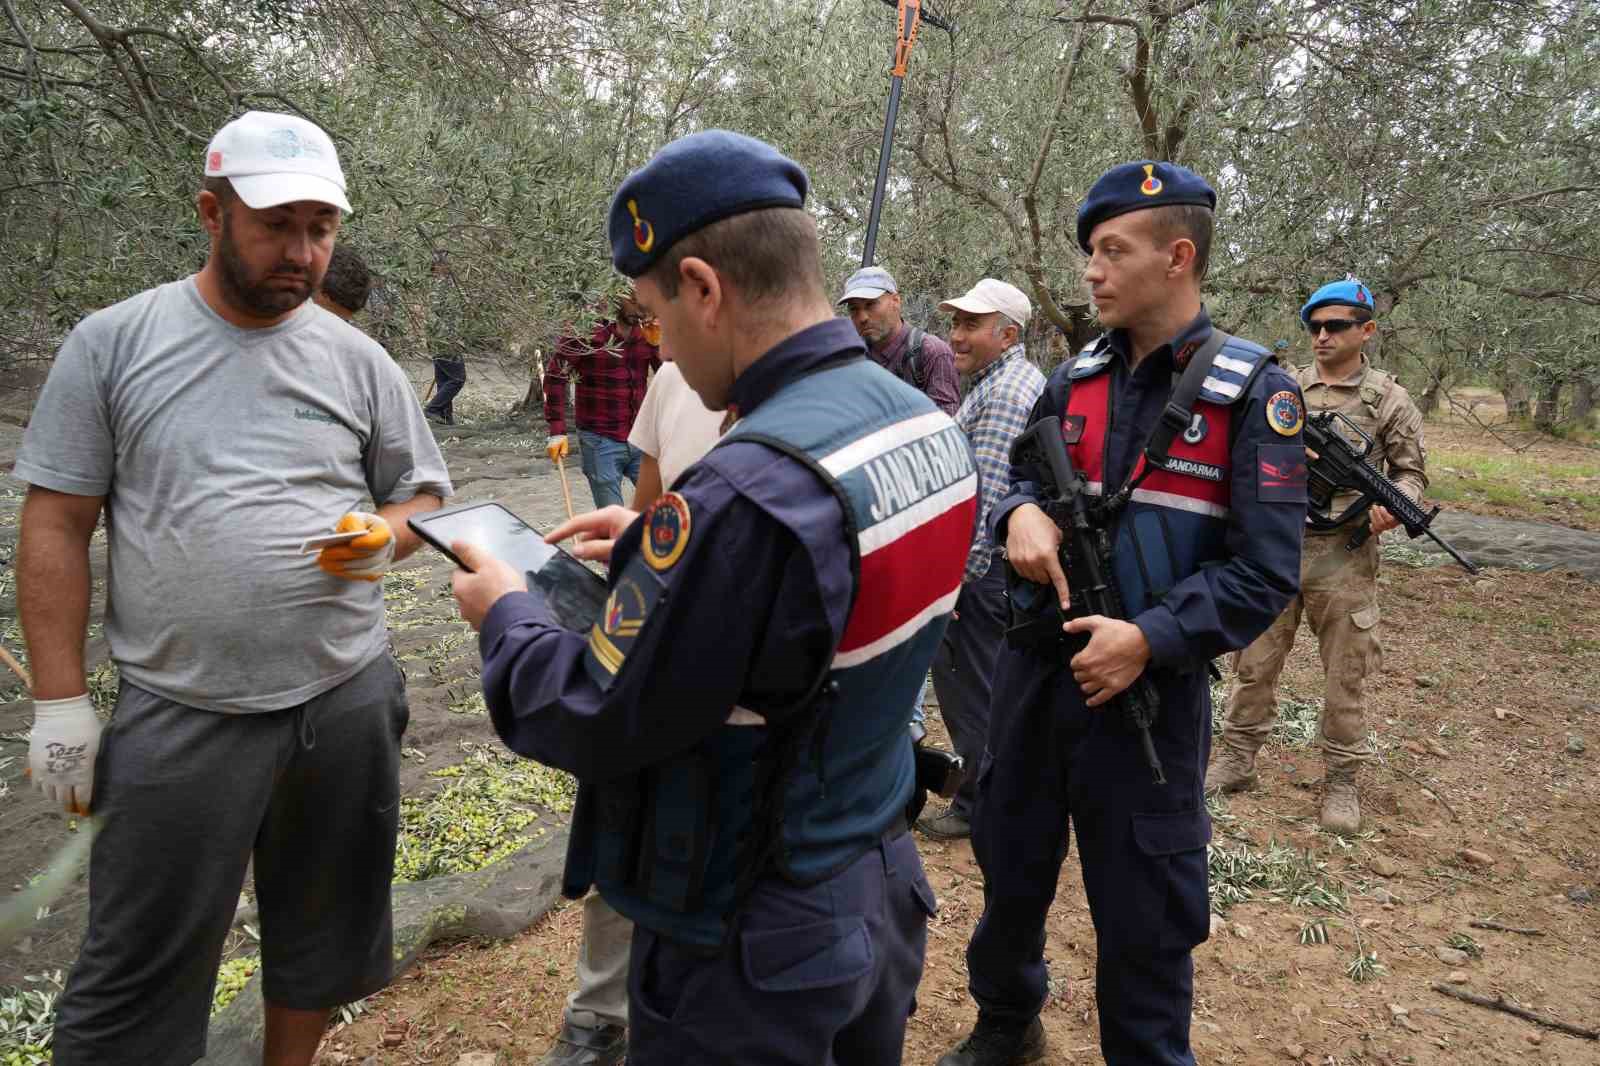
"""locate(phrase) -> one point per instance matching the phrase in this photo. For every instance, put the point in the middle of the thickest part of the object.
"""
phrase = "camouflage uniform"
(1338, 588)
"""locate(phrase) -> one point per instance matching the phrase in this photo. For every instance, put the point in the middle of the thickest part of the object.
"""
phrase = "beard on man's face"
(257, 295)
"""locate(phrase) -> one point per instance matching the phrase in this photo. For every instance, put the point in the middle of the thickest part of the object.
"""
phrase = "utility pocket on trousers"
(1367, 647)
(1173, 850)
(803, 958)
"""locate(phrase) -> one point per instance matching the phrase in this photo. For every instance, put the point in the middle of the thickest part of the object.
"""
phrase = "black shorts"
(185, 798)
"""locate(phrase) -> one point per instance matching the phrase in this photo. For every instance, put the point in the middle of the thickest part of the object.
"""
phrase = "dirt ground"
(1486, 684)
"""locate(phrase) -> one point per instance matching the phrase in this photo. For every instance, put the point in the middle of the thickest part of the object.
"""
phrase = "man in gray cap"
(921, 360)
(221, 421)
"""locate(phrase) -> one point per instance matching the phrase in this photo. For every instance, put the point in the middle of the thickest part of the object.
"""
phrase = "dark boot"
(992, 1044)
(604, 1045)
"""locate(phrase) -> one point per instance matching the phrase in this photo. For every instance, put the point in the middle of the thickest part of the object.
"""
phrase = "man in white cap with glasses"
(986, 335)
(918, 358)
(220, 421)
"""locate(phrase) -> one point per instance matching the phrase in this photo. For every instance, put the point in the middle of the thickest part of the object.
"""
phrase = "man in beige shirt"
(1338, 587)
(673, 430)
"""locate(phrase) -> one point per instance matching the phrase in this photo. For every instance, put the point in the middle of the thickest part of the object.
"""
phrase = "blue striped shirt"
(994, 411)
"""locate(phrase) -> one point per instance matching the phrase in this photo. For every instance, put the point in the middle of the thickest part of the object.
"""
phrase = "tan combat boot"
(1341, 803)
(1232, 769)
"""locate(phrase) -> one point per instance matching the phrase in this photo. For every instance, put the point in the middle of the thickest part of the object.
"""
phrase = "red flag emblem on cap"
(214, 162)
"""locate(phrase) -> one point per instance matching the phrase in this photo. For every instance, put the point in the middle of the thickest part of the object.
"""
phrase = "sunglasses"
(1334, 326)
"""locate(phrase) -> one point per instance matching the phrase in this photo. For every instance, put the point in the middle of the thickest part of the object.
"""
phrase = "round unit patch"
(1284, 413)
(666, 531)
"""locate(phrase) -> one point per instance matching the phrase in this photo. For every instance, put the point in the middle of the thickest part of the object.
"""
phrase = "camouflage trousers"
(1339, 600)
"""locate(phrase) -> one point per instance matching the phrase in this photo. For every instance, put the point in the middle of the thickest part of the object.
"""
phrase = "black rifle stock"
(1338, 466)
(1085, 557)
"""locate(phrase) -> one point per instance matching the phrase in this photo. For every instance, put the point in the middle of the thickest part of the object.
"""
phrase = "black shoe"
(604, 1045)
(992, 1044)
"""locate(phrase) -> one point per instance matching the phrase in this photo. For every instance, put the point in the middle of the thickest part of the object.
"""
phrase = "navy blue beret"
(1347, 293)
(1136, 186)
(691, 183)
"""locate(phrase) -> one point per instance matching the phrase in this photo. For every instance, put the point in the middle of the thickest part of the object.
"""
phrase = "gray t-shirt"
(219, 450)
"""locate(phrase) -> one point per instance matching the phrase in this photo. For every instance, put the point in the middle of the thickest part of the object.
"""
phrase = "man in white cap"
(986, 335)
(220, 421)
(916, 357)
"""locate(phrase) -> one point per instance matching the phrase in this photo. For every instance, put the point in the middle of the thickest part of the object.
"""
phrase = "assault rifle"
(1339, 466)
(1085, 555)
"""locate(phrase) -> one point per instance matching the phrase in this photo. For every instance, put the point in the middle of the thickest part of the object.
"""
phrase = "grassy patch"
(1277, 875)
(470, 701)
(405, 606)
(1517, 482)
(1464, 943)
(1296, 725)
(479, 816)
(27, 1020)
(1299, 721)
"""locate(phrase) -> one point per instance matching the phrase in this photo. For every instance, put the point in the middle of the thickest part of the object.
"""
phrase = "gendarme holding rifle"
(1205, 552)
(1338, 583)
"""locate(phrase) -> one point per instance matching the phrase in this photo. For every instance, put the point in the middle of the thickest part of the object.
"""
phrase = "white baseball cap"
(993, 295)
(273, 159)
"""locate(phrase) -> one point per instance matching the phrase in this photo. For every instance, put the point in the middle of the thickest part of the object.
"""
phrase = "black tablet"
(576, 594)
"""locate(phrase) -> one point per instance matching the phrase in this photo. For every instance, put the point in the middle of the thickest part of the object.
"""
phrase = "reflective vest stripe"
(898, 593)
(1180, 503)
(876, 443)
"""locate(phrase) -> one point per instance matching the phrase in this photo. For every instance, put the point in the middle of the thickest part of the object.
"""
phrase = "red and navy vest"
(1177, 518)
(808, 797)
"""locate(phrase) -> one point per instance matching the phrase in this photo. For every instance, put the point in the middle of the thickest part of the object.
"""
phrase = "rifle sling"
(1175, 418)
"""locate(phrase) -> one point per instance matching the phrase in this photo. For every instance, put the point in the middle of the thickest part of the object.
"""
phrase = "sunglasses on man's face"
(1334, 326)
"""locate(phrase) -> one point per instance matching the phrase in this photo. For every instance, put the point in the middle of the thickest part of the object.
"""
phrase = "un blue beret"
(1347, 293)
(691, 183)
(1136, 186)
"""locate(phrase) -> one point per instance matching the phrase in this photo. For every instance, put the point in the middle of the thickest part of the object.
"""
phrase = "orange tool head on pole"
(910, 12)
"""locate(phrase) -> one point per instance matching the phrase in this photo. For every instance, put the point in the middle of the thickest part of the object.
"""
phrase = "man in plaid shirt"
(986, 328)
(611, 371)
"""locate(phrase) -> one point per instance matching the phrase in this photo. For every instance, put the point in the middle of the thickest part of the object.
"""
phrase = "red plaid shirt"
(611, 371)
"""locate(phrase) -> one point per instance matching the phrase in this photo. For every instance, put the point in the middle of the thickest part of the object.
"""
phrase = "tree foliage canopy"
(1446, 151)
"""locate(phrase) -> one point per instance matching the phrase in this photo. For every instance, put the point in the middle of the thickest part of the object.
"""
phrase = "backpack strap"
(915, 367)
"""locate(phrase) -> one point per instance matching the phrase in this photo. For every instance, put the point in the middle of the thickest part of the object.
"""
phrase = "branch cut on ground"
(1429, 789)
(1500, 1003)
(1485, 923)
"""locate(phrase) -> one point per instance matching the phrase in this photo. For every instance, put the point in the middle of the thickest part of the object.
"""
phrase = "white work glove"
(62, 750)
(368, 557)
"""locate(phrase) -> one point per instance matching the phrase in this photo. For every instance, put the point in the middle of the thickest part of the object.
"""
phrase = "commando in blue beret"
(1347, 293)
(691, 183)
(1136, 186)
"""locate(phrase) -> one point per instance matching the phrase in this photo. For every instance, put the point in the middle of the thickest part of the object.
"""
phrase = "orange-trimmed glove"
(557, 448)
(368, 557)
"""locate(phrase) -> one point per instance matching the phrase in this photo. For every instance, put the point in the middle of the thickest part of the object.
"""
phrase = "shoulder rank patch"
(1284, 413)
(666, 531)
(615, 632)
(1281, 474)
